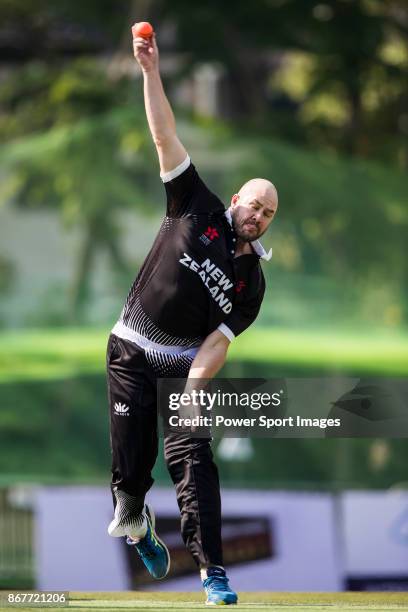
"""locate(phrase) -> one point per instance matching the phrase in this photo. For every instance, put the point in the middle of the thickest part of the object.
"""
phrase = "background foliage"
(313, 95)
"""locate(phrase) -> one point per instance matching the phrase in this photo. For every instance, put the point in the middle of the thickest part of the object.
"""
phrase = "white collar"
(257, 246)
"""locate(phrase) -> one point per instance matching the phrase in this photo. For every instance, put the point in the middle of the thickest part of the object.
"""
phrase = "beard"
(245, 227)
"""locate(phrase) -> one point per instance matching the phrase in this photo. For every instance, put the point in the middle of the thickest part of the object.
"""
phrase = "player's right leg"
(195, 475)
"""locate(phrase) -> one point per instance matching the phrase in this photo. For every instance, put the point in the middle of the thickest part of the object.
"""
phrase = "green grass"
(59, 353)
(248, 601)
(51, 354)
(329, 350)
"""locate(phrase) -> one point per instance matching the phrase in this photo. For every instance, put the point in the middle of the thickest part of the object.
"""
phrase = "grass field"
(248, 601)
(58, 353)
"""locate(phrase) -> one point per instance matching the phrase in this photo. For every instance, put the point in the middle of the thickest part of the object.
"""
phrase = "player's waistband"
(126, 333)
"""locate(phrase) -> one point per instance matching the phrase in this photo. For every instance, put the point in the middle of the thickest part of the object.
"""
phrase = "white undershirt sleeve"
(226, 331)
(172, 174)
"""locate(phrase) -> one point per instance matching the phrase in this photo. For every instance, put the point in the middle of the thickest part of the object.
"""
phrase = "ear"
(234, 199)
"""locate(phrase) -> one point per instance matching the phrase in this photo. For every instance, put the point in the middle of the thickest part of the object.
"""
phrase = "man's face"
(253, 208)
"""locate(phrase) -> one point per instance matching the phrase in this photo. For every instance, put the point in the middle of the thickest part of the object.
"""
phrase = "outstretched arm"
(159, 114)
(210, 357)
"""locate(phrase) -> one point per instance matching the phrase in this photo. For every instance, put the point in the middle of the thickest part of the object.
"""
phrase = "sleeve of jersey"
(187, 193)
(242, 316)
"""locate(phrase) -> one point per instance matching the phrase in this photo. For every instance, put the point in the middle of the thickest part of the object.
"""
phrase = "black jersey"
(190, 283)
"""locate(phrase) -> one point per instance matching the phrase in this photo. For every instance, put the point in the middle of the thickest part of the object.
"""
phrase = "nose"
(257, 216)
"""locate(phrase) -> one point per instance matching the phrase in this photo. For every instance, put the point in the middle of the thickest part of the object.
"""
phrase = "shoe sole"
(152, 519)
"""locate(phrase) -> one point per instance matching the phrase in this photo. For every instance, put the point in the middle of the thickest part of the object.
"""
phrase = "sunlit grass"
(59, 353)
(331, 350)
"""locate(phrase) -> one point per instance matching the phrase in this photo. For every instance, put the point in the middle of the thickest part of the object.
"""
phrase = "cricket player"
(200, 286)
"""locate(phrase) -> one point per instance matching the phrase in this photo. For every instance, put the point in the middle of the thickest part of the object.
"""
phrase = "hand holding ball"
(142, 29)
(144, 46)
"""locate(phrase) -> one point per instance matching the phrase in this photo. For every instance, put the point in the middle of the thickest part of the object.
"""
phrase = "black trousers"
(134, 442)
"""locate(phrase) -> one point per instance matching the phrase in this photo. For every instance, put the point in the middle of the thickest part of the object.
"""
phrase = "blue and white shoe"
(152, 551)
(217, 588)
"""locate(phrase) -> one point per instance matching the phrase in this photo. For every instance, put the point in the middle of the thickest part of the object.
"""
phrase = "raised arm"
(159, 114)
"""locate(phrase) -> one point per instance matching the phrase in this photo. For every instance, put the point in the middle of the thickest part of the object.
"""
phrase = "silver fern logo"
(121, 409)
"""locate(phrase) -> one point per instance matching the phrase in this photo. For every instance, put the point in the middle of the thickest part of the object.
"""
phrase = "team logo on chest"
(210, 234)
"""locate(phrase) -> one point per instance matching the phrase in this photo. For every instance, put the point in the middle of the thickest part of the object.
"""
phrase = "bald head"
(253, 208)
(262, 188)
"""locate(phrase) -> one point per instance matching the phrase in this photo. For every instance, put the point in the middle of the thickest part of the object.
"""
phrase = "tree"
(345, 41)
(85, 157)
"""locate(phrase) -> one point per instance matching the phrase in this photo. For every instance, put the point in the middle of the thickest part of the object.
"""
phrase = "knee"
(185, 448)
